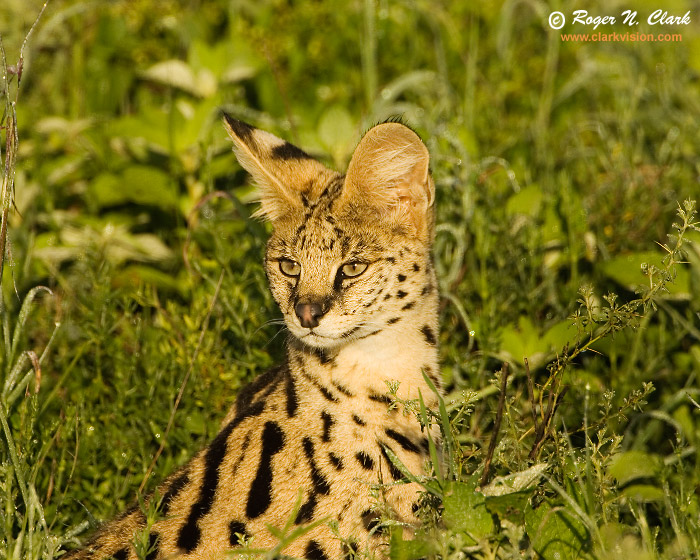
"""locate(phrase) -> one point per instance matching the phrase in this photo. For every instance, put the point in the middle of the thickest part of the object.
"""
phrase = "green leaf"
(555, 533)
(528, 201)
(509, 506)
(336, 131)
(407, 550)
(631, 465)
(465, 511)
(643, 493)
(148, 185)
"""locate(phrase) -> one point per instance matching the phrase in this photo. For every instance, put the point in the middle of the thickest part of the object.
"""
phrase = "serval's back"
(349, 264)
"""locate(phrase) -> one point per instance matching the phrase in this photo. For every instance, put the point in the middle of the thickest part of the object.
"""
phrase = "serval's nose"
(309, 314)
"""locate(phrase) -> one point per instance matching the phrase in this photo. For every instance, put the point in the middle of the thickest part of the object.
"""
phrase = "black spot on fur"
(323, 358)
(369, 334)
(344, 390)
(365, 460)
(349, 550)
(408, 306)
(189, 536)
(391, 260)
(267, 380)
(376, 397)
(370, 521)
(402, 440)
(431, 375)
(393, 470)
(292, 400)
(393, 320)
(415, 506)
(319, 485)
(314, 552)
(176, 486)
(401, 294)
(241, 129)
(401, 277)
(358, 420)
(416, 268)
(244, 447)
(121, 554)
(429, 335)
(336, 461)
(260, 494)
(289, 151)
(327, 394)
(236, 528)
(153, 548)
(327, 425)
(426, 290)
(387, 296)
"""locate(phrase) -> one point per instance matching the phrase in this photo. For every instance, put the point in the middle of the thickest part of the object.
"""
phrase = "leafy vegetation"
(134, 305)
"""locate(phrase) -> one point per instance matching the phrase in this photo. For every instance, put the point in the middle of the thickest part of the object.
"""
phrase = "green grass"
(561, 169)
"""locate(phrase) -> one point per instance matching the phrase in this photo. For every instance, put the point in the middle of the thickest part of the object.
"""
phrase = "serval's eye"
(350, 270)
(290, 268)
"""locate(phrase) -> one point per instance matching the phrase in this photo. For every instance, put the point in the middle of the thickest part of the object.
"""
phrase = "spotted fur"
(349, 264)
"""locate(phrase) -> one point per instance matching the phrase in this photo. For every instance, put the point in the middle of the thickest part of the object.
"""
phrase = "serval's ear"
(389, 172)
(282, 172)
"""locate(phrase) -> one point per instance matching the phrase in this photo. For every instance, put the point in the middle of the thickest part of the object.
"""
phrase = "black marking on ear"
(429, 335)
(328, 422)
(393, 320)
(236, 528)
(121, 554)
(366, 462)
(176, 486)
(408, 306)
(401, 294)
(393, 470)
(359, 421)
(402, 440)
(153, 547)
(336, 461)
(292, 399)
(241, 129)
(260, 495)
(289, 151)
(314, 551)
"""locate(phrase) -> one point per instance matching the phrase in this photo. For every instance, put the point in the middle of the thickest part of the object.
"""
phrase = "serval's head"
(349, 254)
